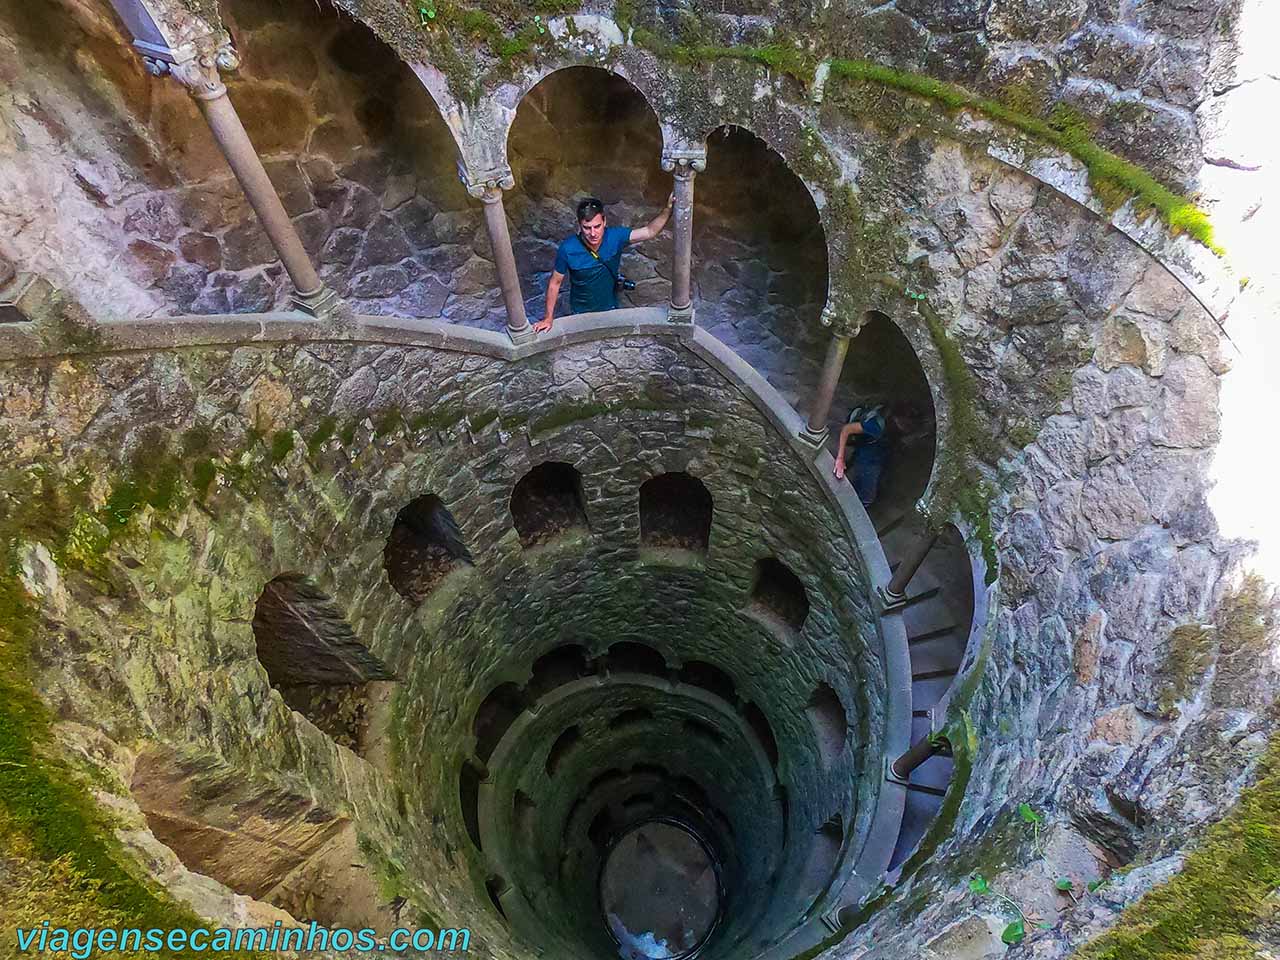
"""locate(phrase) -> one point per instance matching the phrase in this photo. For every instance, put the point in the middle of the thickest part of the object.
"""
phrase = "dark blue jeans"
(865, 477)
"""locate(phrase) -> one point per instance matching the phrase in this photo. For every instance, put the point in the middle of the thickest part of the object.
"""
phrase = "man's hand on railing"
(839, 470)
(542, 326)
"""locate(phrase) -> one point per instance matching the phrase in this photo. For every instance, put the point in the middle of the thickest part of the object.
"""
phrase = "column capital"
(840, 324)
(199, 73)
(487, 185)
(684, 163)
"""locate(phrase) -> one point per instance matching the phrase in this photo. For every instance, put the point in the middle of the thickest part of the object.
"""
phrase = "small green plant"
(1016, 931)
(426, 12)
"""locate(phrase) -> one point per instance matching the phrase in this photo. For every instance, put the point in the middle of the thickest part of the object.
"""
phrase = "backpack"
(865, 415)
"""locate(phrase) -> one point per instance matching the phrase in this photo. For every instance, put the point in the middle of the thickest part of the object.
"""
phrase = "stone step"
(942, 652)
(918, 813)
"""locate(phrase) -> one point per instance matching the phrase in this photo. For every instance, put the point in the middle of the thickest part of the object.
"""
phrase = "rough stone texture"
(466, 428)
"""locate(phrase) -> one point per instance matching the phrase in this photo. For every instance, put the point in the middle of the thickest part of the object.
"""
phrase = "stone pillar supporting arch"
(843, 329)
(489, 189)
(684, 164)
(181, 45)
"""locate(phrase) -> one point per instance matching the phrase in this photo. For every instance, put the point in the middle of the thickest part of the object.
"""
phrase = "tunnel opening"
(261, 840)
(778, 597)
(583, 131)
(424, 547)
(547, 502)
(675, 511)
(469, 779)
(314, 660)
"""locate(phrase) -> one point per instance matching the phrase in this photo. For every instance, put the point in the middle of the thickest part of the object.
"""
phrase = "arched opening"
(675, 511)
(560, 749)
(824, 854)
(425, 545)
(760, 261)
(580, 132)
(882, 371)
(627, 657)
(547, 502)
(469, 801)
(351, 140)
(829, 722)
(494, 717)
(495, 887)
(778, 596)
(710, 678)
(554, 669)
(760, 726)
(313, 658)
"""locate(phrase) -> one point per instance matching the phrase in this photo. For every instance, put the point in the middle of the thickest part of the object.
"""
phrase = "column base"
(319, 304)
(814, 439)
(680, 314)
(891, 777)
(23, 297)
(889, 602)
(523, 335)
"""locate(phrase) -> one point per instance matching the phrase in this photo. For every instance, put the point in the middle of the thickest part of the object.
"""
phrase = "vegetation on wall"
(1224, 893)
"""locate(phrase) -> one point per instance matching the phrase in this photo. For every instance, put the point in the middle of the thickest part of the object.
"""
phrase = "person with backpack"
(866, 429)
(592, 259)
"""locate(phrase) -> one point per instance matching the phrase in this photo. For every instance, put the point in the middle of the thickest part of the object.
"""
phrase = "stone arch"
(675, 511)
(546, 502)
(830, 723)
(313, 658)
(494, 717)
(760, 259)
(886, 365)
(778, 595)
(425, 545)
(585, 131)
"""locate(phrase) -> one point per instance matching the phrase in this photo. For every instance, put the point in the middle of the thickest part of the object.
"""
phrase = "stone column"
(815, 431)
(684, 164)
(174, 41)
(922, 750)
(895, 594)
(489, 189)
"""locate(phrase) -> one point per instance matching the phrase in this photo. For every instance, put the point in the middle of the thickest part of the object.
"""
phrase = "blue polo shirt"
(591, 285)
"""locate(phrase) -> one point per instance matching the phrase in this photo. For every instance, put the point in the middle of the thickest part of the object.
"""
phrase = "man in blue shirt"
(866, 429)
(592, 259)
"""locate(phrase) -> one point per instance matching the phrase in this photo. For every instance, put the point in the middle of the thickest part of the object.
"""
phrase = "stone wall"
(295, 459)
(355, 147)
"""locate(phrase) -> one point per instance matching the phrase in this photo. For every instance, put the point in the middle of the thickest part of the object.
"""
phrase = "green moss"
(561, 416)
(959, 488)
(347, 435)
(1112, 177)
(203, 473)
(282, 443)
(51, 827)
(1223, 893)
(482, 420)
(1188, 656)
(323, 434)
(388, 423)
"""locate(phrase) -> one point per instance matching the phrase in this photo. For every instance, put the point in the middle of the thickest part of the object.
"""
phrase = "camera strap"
(597, 257)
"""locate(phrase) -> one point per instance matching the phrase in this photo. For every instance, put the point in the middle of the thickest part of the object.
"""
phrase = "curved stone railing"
(862, 872)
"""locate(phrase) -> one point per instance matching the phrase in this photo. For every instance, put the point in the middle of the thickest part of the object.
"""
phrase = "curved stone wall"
(295, 458)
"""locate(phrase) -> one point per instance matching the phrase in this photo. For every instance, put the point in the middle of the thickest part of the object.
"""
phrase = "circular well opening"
(660, 892)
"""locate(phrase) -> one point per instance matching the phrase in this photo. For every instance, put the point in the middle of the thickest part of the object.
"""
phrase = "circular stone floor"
(659, 892)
